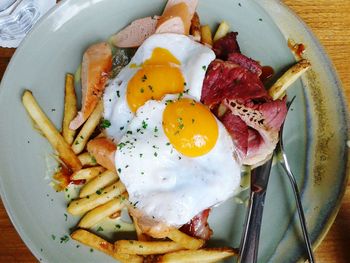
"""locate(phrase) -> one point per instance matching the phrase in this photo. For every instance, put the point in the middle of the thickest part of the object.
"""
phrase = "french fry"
(222, 30)
(97, 214)
(96, 242)
(87, 159)
(206, 35)
(195, 29)
(51, 133)
(81, 206)
(70, 109)
(145, 248)
(277, 91)
(99, 182)
(87, 173)
(184, 240)
(87, 129)
(204, 255)
(140, 236)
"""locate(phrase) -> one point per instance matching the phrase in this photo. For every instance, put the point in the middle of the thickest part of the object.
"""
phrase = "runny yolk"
(190, 127)
(159, 75)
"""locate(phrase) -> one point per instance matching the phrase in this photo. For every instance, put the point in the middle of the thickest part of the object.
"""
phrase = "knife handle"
(250, 239)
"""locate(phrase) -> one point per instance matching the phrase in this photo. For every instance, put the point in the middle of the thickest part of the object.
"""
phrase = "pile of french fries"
(103, 195)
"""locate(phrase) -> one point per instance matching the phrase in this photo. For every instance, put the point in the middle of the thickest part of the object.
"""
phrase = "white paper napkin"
(17, 20)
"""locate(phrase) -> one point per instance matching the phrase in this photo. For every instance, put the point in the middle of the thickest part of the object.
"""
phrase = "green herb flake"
(93, 160)
(64, 239)
(144, 125)
(142, 90)
(99, 229)
(105, 124)
(117, 226)
(119, 170)
(155, 154)
(156, 129)
(91, 250)
(76, 142)
(118, 94)
(204, 68)
(98, 192)
(66, 216)
(53, 237)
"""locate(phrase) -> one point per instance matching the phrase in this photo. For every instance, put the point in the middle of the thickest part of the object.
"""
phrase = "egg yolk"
(190, 127)
(159, 75)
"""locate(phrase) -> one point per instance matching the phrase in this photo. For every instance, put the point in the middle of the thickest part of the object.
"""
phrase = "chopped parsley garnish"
(98, 192)
(99, 229)
(168, 143)
(155, 129)
(142, 90)
(66, 216)
(185, 84)
(105, 124)
(91, 250)
(64, 239)
(155, 154)
(144, 124)
(118, 94)
(187, 91)
(129, 132)
(168, 101)
(204, 68)
(260, 19)
(121, 145)
(121, 128)
(118, 226)
(53, 237)
(180, 95)
(141, 155)
(76, 142)
(119, 170)
(93, 160)
(82, 137)
(53, 110)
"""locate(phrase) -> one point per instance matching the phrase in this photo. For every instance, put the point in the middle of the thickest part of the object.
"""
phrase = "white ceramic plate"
(316, 128)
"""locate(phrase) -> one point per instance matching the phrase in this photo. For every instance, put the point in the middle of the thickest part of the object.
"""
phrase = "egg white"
(163, 183)
(193, 56)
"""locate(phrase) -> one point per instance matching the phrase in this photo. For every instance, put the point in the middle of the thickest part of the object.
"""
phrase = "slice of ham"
(96, 64)
(241, 91)
(136, 33)
(103, 150)
(198, 227)
(177, 16)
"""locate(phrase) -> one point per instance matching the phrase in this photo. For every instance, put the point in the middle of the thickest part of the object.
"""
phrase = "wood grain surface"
(330, 21)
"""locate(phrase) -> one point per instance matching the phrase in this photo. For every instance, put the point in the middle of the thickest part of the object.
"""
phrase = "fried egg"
(176, 159)
(163, 64)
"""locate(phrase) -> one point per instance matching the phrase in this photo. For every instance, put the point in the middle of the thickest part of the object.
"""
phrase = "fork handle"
(250, 239)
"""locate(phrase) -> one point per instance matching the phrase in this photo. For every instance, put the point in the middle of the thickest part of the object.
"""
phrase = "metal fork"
(286, 167)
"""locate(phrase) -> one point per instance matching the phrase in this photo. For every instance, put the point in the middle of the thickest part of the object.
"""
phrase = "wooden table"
(330, 21)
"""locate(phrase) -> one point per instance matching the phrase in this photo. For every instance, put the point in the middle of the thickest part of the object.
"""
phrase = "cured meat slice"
(226, 45)
(198, 227)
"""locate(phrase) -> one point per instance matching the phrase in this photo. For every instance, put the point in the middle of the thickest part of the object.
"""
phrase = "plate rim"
(331, 69)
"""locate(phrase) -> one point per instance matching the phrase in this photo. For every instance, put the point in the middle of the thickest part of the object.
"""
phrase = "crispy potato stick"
(88, 128)
(81, 206)
(99, 182)
(222, 30)
(277, 91)
(48, 129)
(204, 255)
(140, 236)
(97, 214)
(195, 29)
(70, 109)
(184, 240)
(100, 244)
(87, 159)
(145, 248)
(206, 35)
(87, 173)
